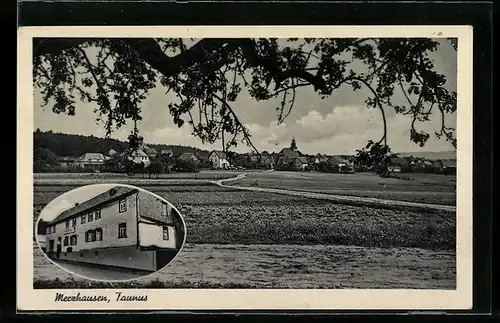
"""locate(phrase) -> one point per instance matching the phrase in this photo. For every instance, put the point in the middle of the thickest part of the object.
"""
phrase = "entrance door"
(51, 245)
(58, 251)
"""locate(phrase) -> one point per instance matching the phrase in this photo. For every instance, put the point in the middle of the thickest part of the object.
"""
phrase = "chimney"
(76, 204)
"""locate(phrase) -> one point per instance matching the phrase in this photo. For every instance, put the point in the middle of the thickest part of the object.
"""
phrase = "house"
(397, 165)
(445, 166)
(340, 164)
(254, 160)
(150, 152)
(90, 161)
(66, 162)
(189, 157)
(122, 227)
(449, 166)
(299, 163)
(268, 162)
(218, 159)
(321, 158)
(138, 156)
(286, 155)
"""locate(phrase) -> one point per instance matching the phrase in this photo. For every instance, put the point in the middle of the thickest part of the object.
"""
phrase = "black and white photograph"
(109, 232)
(289, 163)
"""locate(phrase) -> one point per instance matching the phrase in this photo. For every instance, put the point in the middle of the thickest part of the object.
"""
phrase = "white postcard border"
(235, 299)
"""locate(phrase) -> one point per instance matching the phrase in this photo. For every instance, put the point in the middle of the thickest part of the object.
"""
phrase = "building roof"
(288, 152)
(337, 160)
(268, 159)
(253, 158)
(149, 151)
(187, 156)
(202, 154)
(149, 208)
(134, 153)
(322, 158)
(108, 196)
(303, 160)
(91, 156)
(218, 153)
(311, 159)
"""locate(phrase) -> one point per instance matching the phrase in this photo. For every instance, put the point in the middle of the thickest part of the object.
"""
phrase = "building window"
(165, 233)
(97, 214)
(164, 210)
(122, 230)
(48, 230)
(98, 234)
(90, 236)
(91, 216)
(84, 218)
(67, 224)
(96, 253)
(73, 240)
(74, 222)
(66, 241)
(122, 206)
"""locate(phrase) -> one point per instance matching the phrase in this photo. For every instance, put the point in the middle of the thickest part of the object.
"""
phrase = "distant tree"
(166, 160)
(132, 168)
(376, 157)
(43, 159)
(231, 156)
(156, 168)
(189, 166)
(114, 164)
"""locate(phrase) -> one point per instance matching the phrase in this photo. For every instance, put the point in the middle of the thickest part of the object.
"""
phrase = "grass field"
(240, 221)
(422, 188)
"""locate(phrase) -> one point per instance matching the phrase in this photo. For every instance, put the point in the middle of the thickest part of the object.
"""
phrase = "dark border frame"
(477, 14)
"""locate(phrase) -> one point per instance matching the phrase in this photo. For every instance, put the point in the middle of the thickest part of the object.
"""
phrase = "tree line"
(69, 145)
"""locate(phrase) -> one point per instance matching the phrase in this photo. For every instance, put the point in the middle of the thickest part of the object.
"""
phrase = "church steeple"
(293, 146)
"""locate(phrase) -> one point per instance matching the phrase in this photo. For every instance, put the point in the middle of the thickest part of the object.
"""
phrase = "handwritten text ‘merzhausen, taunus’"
(120, 297)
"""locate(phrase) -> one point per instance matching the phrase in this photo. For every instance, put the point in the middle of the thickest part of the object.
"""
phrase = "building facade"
(90, 161)
(218, 159)
(122, 227)
(137, 156)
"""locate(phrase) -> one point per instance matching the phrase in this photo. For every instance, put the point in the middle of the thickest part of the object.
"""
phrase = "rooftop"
(110, 195)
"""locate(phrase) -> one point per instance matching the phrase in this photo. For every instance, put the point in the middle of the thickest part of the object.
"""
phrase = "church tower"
(293, 146)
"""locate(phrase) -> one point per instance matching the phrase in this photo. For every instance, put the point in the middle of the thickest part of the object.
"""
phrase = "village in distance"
(67, 153)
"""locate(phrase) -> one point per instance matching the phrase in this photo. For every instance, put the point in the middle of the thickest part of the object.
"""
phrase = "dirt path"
(353, 200)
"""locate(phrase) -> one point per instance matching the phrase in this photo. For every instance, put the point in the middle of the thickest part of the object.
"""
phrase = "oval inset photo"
(110, 232)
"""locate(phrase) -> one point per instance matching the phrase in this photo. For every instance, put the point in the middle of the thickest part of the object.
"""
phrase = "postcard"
(244, 168)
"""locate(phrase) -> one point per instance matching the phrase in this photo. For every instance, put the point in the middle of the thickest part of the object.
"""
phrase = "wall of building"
(125, 257)
(218, 162)
(109, 221)
(152, 235)
(154, 208)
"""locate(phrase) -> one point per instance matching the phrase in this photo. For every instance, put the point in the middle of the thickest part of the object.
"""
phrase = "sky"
(339, 124)
(67, 200)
